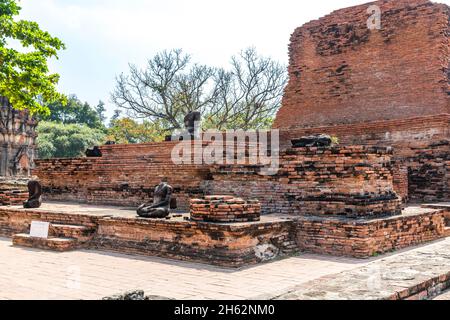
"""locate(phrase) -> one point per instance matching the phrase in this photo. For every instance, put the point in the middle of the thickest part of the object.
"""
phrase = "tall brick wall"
(387, 87)
(343, 73)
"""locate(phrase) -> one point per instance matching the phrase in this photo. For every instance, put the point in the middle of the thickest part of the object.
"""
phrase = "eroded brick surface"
(343, 73)
(351, 181)
(225, 209)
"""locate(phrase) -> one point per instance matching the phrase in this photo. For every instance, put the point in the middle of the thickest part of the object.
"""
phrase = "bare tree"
(249, 94)
(163, 91)
(245, 97)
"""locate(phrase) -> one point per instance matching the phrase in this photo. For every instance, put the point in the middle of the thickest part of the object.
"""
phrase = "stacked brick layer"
(364, 239)
(339, 181)
(225, 209)
(12, 193)
(421, 150)
(377, 87)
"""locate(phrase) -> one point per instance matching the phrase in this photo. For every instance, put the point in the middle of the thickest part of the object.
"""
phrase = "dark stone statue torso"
(35, 195)
(160, 207)
(190, 120)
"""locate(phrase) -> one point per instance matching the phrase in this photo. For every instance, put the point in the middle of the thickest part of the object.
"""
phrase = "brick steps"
(62, 237)
(54, 244)
(447, 224)
(81, 233)
(447, 231)
(290, 247)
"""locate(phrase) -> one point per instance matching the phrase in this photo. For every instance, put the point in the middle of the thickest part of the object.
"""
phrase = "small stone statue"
(160, 207)
(35, 195)
(94, 153)
(190, 120)
(321, 140)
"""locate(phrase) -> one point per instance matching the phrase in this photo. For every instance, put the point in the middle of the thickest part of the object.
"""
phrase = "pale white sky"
(103, 36)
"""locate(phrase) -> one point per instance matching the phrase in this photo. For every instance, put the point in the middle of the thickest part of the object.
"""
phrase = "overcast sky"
(103, 36)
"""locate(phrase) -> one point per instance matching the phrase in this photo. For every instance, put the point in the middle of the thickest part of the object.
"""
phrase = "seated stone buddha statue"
(35, 195)
(160, 206)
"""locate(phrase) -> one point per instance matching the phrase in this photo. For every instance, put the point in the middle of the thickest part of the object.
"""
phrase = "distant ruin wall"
(17, 141)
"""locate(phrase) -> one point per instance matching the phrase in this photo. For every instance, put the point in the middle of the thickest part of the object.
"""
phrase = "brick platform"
(223, 244)
(118, 230)
(367, 238)
(421, 147)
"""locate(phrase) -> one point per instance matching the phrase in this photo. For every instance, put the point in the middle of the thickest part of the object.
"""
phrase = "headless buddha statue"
(160, 207)
(190, 121)
(35, 195)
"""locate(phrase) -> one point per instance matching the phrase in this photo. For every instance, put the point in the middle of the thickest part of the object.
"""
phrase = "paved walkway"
(35, 274)
(444, 297)
(416, 274)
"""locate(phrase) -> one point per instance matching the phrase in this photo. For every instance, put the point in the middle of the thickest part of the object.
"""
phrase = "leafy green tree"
(76, 112)
(101, 110)
(127, 130)
(25, 79)
(116, 116)
(58, 140)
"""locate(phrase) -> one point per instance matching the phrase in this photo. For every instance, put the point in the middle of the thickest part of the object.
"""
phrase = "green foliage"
(335, 140)
(76, 112)
(25, 78)
(58, 140)
(127, 130)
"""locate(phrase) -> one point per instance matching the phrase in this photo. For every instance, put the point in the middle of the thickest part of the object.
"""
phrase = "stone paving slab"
(444, 297)
(417, 274)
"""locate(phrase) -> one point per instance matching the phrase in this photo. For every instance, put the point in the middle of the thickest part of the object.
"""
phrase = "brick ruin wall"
(341, 72)
(339, 181)
(341, 197)
(347, 181)
(126, 175)
(385, 87)
(365, 239)
(421, 151)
